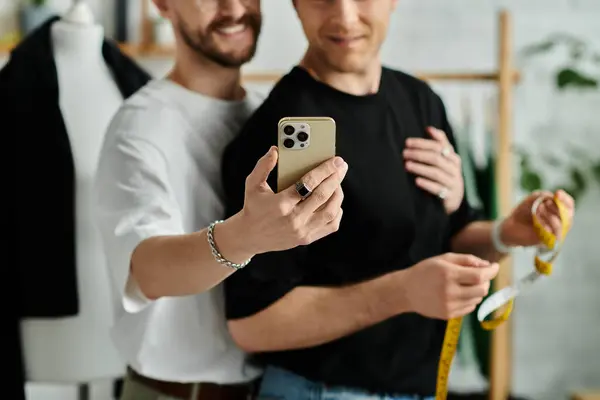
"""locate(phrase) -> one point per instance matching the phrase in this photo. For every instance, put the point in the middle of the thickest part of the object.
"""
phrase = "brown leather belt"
(206, 391)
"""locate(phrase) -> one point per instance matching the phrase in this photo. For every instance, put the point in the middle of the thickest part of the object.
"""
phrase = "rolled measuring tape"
(545, 256)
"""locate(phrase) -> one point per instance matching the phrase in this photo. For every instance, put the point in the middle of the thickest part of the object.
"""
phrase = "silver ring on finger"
(446, 151)
(303, 190)
(443, 193)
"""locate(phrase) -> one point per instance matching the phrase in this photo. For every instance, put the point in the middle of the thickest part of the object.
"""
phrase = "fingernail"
(338, 162)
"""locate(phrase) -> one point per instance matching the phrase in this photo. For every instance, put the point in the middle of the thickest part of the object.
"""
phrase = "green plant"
(579, 172)
(571, 74)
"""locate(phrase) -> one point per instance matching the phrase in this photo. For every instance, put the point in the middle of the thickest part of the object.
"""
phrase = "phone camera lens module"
(289, 130)
(288, 143)
(302, 136)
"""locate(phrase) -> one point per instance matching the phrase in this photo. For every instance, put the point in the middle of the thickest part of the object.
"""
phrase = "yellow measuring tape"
(544, 258)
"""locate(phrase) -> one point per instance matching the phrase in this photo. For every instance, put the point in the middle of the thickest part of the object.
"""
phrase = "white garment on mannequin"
(79, 349)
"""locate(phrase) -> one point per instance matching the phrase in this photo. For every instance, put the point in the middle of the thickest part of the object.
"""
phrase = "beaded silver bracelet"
(215, 252)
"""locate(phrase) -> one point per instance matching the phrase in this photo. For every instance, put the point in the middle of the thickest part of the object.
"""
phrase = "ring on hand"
(446, 151)
(303, 190)
(443, 193)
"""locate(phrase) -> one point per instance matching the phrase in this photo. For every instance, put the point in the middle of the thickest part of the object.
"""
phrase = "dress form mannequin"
(79, 350)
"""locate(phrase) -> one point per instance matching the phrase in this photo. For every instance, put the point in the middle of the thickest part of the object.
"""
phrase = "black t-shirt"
(388, 224)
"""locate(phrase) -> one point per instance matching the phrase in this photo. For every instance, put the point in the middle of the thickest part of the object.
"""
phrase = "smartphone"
(303, 143)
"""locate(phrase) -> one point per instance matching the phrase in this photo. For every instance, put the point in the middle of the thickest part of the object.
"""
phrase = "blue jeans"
(279, 384)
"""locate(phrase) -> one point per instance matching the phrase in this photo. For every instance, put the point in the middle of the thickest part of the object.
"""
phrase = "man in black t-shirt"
(362, 311)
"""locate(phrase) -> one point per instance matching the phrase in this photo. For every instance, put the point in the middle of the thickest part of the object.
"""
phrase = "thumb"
(466, 260)
(258, 177)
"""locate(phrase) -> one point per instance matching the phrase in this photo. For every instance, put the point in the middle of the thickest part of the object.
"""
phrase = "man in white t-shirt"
(159, 204)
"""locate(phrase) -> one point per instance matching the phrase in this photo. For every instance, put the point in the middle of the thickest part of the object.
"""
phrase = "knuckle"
(485, 289)
(304, 240)
(331, 168)
(482, 291)
(446, 275)
(447, 294)
(336, 226)
(296, 226)
(282, 209)
(329, 215)
(248, 182)
(338, 220)
(479, 278)
(310, 180)
(320, 195)
(320, 173)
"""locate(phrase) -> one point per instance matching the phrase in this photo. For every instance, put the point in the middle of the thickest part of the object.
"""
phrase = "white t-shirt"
(160, 174)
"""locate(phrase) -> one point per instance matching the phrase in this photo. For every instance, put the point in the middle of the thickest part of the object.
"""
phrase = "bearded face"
(223, 31)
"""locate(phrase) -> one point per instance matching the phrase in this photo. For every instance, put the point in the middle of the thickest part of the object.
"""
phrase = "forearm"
(311, 316)
(476, 239)
(183, 265)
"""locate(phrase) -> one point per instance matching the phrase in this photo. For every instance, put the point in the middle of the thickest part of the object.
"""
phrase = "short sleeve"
(269, 276)
(466, 213)
(133, 201)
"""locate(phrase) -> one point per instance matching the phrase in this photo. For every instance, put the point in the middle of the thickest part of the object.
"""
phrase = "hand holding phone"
(303, 143)
(279, 221)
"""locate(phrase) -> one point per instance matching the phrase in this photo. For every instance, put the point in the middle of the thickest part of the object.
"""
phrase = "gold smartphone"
(303, 143)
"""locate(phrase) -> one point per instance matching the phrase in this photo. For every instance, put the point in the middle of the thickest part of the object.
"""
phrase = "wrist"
(502, 236)
(231, 240)
(392, 295)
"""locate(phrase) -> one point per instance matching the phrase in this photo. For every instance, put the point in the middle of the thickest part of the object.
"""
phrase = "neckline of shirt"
(305, 77)
(192, 97)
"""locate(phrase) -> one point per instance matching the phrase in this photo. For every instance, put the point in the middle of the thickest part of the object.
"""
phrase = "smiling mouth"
(232, 30)
(345, 40)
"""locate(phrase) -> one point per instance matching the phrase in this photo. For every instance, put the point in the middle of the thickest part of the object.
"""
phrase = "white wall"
(557, 324)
